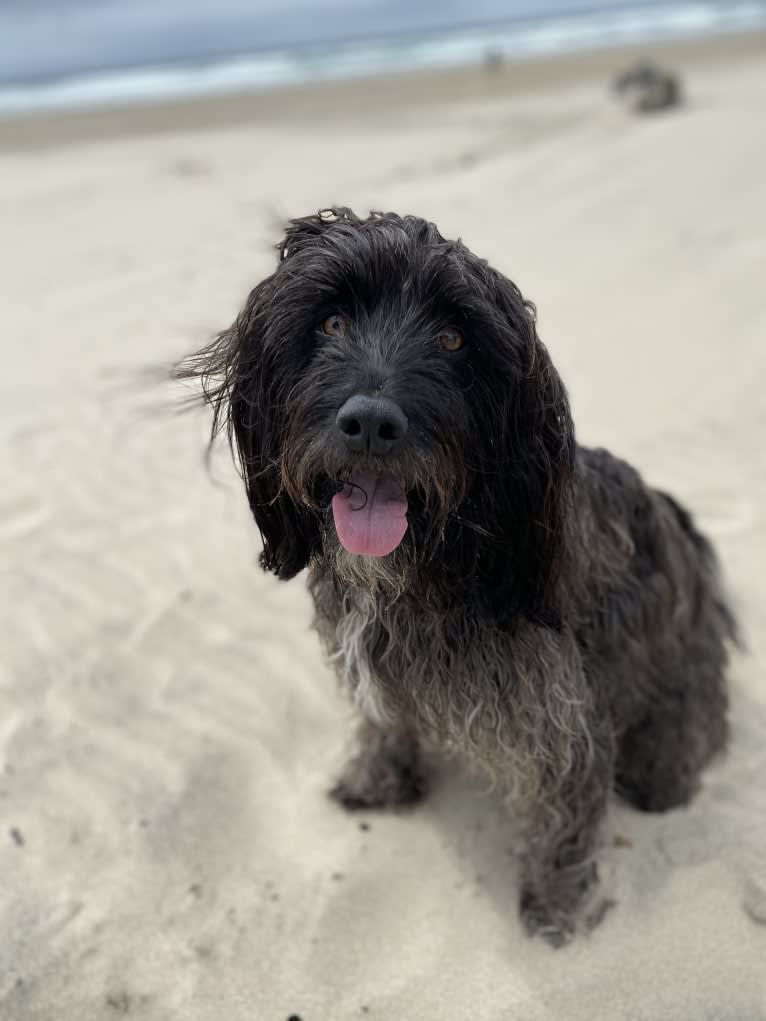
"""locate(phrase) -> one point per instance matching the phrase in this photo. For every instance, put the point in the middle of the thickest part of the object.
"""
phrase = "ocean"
(57, 55)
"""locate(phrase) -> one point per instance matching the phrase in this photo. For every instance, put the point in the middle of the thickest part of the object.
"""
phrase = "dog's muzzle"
(370, 512)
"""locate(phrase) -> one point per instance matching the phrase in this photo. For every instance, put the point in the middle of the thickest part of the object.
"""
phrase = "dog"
(483, 585)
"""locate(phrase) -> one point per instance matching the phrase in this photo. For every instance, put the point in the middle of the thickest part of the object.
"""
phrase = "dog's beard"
(379, 521)
(404, 568)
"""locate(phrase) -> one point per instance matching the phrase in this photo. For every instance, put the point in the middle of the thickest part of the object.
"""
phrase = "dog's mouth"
(370, 513)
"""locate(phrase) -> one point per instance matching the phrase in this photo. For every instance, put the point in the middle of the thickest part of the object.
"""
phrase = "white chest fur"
(358, 631)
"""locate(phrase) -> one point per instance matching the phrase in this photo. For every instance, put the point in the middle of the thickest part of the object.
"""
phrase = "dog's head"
(389, 398)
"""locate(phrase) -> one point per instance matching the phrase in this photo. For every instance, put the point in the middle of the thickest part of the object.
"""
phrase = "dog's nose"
(371, 425)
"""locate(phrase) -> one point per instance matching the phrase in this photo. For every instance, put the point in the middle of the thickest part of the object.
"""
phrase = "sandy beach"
(167, 726)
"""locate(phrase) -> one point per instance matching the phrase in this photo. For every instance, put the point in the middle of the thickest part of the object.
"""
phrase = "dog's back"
(710, 563)
(655, 631)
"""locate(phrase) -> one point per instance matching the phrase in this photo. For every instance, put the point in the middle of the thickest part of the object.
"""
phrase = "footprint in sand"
(21, 518)
(754, 898)
(723, 516)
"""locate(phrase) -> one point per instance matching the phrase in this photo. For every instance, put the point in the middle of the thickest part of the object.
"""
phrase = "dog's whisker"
(472, 525)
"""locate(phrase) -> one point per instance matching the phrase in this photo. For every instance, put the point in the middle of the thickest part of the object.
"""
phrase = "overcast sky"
(40, 37)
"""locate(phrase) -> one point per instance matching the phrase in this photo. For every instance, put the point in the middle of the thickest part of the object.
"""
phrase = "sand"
(167, 726)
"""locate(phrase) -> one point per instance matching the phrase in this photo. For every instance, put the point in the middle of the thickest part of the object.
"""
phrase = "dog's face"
(390, 400)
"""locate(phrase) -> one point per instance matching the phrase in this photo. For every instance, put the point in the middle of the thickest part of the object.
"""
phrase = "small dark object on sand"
(494, 60)
(17, 836)
(646, 88)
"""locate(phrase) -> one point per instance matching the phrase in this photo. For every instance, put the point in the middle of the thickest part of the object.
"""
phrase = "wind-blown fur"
(548, 617)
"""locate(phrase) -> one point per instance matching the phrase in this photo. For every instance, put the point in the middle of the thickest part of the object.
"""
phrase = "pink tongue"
(370, 514)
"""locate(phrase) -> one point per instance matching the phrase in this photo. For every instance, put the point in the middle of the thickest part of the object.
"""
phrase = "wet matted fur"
(547, 616)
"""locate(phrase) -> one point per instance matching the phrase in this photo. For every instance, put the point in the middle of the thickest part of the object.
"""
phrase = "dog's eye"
(335, 326)
(451, 340)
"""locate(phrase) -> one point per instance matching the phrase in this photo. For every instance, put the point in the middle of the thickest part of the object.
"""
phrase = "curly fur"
(548, 617)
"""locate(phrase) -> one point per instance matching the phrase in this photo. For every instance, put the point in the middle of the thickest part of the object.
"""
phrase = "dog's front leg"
(557, 773)
(385, 770)
(560, 827)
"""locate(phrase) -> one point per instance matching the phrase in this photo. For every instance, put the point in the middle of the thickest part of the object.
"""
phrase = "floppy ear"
(245, 377)
(244, 386)
(533, 446)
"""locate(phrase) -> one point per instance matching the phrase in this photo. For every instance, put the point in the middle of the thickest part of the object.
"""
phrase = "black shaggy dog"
(482, 584)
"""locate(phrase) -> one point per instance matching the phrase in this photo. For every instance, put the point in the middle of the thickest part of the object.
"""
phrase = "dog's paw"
(390, 787)
(543, 919)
